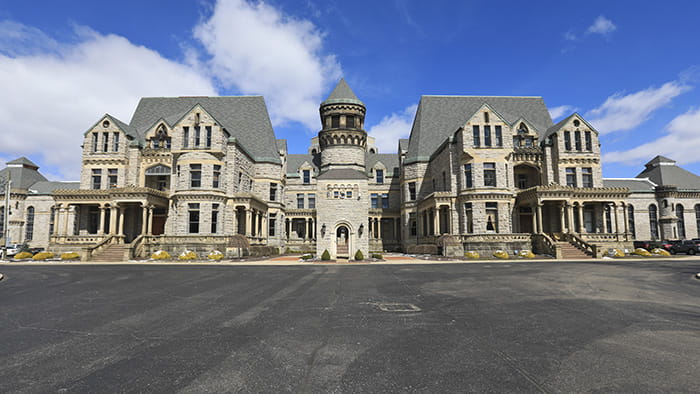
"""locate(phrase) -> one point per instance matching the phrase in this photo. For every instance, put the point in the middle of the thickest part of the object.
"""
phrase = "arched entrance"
(342, 241)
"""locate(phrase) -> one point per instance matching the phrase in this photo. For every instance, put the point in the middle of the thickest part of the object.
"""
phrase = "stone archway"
(342, 241)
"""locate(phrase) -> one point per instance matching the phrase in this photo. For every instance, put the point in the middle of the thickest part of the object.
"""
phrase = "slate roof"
(664, 172)
(294, 161)
(342, 173)
(47, 187)
(23, 161)
(403, 144)
(561, 123)
(342, 94)
(390, 161)
(22, 177)
(634, 184)
(438, 117)
(244, 117)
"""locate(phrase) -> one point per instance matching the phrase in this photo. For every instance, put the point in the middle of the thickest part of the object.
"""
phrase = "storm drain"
(397, 307)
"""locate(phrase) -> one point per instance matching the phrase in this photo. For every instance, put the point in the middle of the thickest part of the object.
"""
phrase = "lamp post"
(6, 217)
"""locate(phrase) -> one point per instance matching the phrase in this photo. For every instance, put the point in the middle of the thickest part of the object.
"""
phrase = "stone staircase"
(571, 252)
(112, 253)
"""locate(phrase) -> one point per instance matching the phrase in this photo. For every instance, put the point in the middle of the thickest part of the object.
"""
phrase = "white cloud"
(570, 36)
(681, 143)
(624, 112)
(388, 131)
(560, 111)
(602, 26)
(53, 92)
(256, 49)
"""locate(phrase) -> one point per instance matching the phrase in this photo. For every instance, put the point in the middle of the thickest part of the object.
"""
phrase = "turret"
(342, 138)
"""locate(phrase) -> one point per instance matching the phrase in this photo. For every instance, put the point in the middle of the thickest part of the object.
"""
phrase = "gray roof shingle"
(342, 94)
(342, 173)
(294, 161)
(244, 117)
(635, 185)
(664, 172)
(47, 187)
(438, 117)
(22, 177)
(390, 161)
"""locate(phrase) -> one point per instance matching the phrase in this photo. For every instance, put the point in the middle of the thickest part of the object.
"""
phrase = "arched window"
(653, 222)
(681, 222)
(697, 218)
(52, 220)
(29, 225)
(630, 220)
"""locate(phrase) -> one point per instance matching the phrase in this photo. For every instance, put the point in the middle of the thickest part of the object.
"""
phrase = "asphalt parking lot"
(497, 327)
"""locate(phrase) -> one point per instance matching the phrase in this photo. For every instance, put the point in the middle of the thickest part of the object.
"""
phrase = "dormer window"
(196, 119)
(160, 139)
(522, 129)
(306, 174)
(486, 117)
(380, 176)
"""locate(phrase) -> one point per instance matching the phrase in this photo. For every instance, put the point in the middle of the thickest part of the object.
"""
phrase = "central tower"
(342, 138)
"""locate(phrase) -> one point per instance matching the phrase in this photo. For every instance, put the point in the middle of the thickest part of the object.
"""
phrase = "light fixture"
(323, 230)
(361, 229)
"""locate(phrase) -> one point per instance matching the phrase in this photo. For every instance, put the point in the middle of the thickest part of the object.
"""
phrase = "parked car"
(649, 245)
(13, 249)
(687, 246)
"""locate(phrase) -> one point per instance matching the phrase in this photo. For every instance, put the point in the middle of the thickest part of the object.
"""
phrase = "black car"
(687, 246)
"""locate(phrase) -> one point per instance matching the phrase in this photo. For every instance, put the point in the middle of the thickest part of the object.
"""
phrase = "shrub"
(471, 255)
(656, 251)
(377, 256)
(526, 254)
(307, 256)
(23, 255)
(160, 255)
(641, 252)
(187, 255)
(325, 255)
(43, 256)
(359, 255)
(614, 253)
(499, 254)
(70, 256)
(215, 255)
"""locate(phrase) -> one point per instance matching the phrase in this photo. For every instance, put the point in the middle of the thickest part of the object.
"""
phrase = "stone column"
(540, 229)
(581, 226)
(436, 221)
(379, 227)
(101, 228)
(149, 228)
(286, 229)
(65, 220)
(562, 216)
(144, 219)
(265, 226)
(248, 219)
(605, 220)
(617, 224)
(120, 231)
(625, 218)
(570, 217)
(261, 224)
(113, 220)
(370, 227)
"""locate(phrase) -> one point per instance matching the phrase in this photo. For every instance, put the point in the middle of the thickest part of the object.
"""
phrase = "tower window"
(475, 135)
(214, 217)
(571, 176)
(490, 174)
(193, 218)
(195, 175)
(96, 178)
(335, 121)
(216, 176)
(567, 140)
(412, 191)
(273, 191)
(587, 177)
(112, 176)
(350, 121)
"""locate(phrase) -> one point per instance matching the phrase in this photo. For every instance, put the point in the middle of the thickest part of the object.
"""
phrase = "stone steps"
(571, 252)
(111, 253)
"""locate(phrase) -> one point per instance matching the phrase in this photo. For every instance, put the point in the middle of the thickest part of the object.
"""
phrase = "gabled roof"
(128, 130)
(22, 176)
(342, 173)
(342, 94)
(403, 144)
(438, 117)
(244, 117)
(294, 161)
(562, 122)
(664, 172)
(23, 161)
(47, 187)
(390, 161)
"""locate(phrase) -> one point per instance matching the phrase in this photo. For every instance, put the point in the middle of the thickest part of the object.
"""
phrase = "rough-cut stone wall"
(334, 212)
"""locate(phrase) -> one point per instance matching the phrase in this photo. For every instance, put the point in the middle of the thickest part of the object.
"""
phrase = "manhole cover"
(397, 307)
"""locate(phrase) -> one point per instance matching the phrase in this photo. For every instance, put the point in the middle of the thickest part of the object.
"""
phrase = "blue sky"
(631, 68)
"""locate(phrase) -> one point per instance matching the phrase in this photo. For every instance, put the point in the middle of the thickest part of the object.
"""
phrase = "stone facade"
(204, 173)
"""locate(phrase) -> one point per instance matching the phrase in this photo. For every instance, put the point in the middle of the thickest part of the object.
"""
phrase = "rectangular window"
(374, 200)
(350, 121)
(214, 217)
(522, 181)
(469, 217)
(487, 135)
(185, 136)
(412, 223)
(499, 136)
(307, 176)
(216, 176)
(312, 200)
(411, 191)
(567, 140)
(273, 191)
(300, 201)
(577, 135)
(194, 218)
(271, 224)
(105, 142)
(486, 117)
(115, 142)
(112, 175)
(208, 128)
(96, 178)
(589, 145)
(195, 175)
(335, 121)
(336, 194)
(468, 176)
(587, 177)
(380, 176)
(475, 136)
(348, 194)
(490, 174)
(94, 142)
(571, 176)
(385, 200)
(197, 136)
(492, 216)
(528, 141)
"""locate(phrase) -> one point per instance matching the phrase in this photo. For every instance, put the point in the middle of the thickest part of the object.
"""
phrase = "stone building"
(206, 173)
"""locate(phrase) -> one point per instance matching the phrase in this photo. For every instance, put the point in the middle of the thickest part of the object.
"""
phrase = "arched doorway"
(342, 241)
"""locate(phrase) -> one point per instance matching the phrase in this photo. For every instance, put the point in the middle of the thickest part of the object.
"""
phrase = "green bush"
(326, 255)
(359, 255)
(472, 255)
(70, 256)
(307, 256)
(377, 256)
(23, 255)
(160, 255)
(43, 256)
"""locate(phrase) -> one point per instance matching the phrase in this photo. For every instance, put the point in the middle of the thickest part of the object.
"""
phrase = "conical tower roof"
(342, 94)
